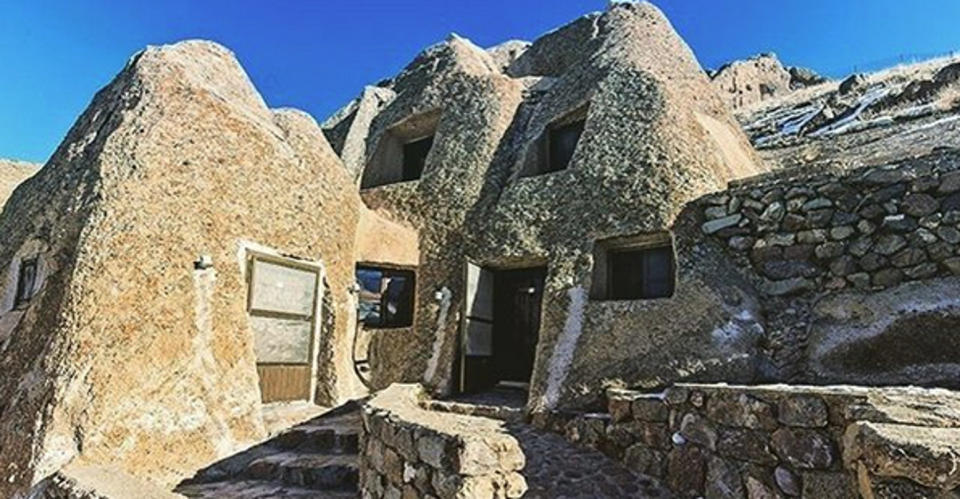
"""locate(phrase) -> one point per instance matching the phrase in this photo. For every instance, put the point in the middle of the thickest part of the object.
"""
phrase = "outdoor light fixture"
(203, 262)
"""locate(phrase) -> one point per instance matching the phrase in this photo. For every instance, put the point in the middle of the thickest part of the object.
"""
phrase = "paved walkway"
(558, 469)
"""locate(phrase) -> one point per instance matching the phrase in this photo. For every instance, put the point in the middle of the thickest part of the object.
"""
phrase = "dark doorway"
(512, 339)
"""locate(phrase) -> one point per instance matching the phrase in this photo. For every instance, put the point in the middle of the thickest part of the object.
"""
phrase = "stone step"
(315, 471)
(331, 438)
(258, 489)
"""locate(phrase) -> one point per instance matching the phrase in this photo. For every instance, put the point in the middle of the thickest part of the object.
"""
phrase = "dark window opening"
(386, 297)
(415, 157)
(561, 143)
(645, 273)
(25, 282)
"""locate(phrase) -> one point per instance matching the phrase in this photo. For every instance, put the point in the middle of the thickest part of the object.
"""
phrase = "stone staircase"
(317, 458)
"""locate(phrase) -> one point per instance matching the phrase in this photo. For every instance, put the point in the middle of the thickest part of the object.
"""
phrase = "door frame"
(461, 369)
(316, 267)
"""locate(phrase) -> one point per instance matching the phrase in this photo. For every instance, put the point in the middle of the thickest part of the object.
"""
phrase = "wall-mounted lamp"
(203, 262)
(438, 295)
(353, 288)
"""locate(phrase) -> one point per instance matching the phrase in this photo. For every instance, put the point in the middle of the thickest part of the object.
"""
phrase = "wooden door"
(282, 307)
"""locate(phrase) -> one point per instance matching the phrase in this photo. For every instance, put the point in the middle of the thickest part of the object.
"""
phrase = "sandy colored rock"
(12, 174)
(127, 355)
(746, 82)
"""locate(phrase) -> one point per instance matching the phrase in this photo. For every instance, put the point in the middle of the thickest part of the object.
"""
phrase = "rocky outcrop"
(759, 78)
(863, 120)
(12, 174)
(128, 353)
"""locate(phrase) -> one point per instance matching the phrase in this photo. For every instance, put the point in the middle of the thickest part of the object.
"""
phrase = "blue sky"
(317, 55)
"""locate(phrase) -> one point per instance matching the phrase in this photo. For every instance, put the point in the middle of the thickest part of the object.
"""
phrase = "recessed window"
(401, 151)
(634, 268)
(561, 143)
(26, 282)
(640, 274)
(415, 157)
(386, 297)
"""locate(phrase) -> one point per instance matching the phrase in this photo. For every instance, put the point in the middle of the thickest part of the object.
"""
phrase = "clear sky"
(316, 55)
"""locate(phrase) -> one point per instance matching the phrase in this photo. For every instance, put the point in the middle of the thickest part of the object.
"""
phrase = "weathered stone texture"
(437, 454)
(727, 441)
(12, 174)
(654, 129)
(128, 355)
(857, 240)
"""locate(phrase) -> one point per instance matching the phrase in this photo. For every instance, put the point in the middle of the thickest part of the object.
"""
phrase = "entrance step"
(315, 471)
(257, 489)
(316, 458)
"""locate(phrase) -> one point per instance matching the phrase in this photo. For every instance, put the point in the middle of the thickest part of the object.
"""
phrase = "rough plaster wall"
(184, 160)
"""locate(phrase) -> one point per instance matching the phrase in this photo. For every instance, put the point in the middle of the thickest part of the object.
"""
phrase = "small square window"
(386, 297)
(26, 281)
(415, 157)
(640, 274)
(561, 143)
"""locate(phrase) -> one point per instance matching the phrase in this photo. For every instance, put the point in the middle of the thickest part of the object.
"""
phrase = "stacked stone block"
(720, 441)
(870, 228)
(409, 452)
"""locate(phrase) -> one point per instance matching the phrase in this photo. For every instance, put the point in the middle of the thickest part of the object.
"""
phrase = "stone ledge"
(928, 456)
(408, 449)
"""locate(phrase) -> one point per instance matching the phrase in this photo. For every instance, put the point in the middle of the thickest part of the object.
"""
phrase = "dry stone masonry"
(413, 452)
(870, 229)
(720, 441)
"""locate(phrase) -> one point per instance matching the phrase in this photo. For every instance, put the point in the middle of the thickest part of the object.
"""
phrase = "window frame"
(385, 271)
(313, 319)
(602, 288)
(24, 292)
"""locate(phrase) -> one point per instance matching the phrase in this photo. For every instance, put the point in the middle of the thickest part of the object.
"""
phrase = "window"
(26, 281)
(386, 297)
(415, 157)
(634, 268)
(561, 143)
(282, 304)
(401, 150)
(640, 273)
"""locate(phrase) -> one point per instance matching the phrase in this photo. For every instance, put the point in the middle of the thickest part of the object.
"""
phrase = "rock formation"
(656, 136)
(762, 77)
(866, 119)
(127, 353)
(12, 174)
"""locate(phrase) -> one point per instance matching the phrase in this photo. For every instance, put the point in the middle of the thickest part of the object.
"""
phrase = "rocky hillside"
(865, 119)
(11, 174)
(759, 78)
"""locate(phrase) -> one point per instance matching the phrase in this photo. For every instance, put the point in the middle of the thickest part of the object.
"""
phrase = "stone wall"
(773, 441)
(410, 451)
(802, 236)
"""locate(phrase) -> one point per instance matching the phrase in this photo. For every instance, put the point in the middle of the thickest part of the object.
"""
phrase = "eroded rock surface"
(12, 174)
(127, 354)
(763, 77)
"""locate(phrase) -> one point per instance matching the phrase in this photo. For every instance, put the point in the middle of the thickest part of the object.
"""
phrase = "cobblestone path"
(558, 469)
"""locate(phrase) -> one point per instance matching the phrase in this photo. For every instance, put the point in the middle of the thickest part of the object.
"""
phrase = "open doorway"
(501, 328)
